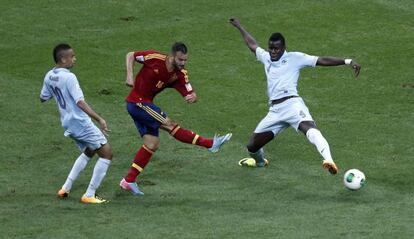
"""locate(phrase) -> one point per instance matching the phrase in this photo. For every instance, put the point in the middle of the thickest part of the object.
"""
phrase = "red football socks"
(189, 137)
(141, 159)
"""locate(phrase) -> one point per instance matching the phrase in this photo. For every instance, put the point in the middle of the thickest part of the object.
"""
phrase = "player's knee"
(153, 146)
(169, 125)
(109, 155)
(106, 152)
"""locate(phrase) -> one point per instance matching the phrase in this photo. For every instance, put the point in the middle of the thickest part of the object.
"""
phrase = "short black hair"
(179, 46)
(277, 36)
(58, 51)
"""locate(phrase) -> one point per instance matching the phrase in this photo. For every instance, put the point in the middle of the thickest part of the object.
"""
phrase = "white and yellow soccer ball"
(354, 179)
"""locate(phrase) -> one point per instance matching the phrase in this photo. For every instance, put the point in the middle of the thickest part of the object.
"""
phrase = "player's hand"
(129, 83)
(355, 67)
(104, 127)
(191, 98)
(234, 21)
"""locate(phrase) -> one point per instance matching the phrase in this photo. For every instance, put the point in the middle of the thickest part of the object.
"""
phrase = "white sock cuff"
(84, 157)
(105, 161)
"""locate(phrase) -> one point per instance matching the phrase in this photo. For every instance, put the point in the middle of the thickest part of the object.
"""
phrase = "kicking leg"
(189, 137)
(255, 149)
(315, 137)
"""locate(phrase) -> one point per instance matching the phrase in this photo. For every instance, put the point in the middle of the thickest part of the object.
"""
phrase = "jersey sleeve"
(261, 54)
(305, 60)
(74, 89)
(142, 56)
(45, 93)
(182, 84)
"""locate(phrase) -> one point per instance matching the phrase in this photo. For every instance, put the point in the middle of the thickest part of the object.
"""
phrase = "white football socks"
(315, 137)
(77, 168)
(99, 173)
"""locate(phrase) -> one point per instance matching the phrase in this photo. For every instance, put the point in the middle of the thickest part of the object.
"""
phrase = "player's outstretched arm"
(89, 111)
(130, 69)
(250, 41)
(334, 61)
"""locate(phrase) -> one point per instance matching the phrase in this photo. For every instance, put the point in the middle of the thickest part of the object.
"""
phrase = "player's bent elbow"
(130, 55)
(80, 103)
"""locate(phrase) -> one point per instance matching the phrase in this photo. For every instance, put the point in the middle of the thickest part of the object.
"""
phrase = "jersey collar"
(59, 69)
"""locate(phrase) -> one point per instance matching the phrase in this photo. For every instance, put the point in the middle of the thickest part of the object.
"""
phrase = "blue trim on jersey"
(145, 123)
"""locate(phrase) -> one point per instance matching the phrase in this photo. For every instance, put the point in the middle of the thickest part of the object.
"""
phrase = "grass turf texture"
(191, 193)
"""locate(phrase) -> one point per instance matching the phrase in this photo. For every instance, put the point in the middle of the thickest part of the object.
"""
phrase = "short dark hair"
(58, 51)
(277, 36)
(179, 46)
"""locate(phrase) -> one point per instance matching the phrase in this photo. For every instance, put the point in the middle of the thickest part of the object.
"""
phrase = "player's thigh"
(298, 112)
(147, 117)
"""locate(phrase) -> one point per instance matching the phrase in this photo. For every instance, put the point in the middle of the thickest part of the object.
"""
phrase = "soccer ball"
(354, 179)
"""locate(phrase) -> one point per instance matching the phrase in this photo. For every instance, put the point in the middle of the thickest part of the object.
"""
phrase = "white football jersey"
(63, 86)
(283, 75)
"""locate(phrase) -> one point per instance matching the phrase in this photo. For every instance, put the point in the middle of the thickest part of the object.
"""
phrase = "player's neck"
(62, 66)
(169, 64)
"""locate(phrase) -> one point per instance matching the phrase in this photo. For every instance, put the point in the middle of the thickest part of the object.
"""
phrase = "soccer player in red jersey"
(159, 71)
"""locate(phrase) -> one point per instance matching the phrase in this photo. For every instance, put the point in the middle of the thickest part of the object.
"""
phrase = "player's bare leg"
(141, 159)
(255, 149)
(315, 137)
(189, 137)
(99, 172)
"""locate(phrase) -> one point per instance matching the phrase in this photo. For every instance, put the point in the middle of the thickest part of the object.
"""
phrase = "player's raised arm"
(250, 41)
(334, 61)
(130, 69)
(89, 111)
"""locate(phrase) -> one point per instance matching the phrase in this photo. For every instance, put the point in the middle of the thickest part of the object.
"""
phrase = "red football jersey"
(154, 78)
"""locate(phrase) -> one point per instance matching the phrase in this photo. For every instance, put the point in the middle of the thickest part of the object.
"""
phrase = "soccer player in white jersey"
(75, 115)
(286, 107)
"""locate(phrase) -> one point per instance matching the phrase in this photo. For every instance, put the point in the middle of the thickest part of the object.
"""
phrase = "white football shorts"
(90, 137)
(290, 112)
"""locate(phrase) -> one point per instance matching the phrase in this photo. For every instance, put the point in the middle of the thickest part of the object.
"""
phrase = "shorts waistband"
(278, 101)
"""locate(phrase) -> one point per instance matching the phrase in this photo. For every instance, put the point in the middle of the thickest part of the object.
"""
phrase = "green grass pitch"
(191, 193)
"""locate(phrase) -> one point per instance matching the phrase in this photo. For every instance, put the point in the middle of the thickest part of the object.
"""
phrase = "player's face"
(69, 59)
(179, 60)
(276, 50)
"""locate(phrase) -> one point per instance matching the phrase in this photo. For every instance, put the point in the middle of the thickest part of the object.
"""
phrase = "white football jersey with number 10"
(63, 86)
